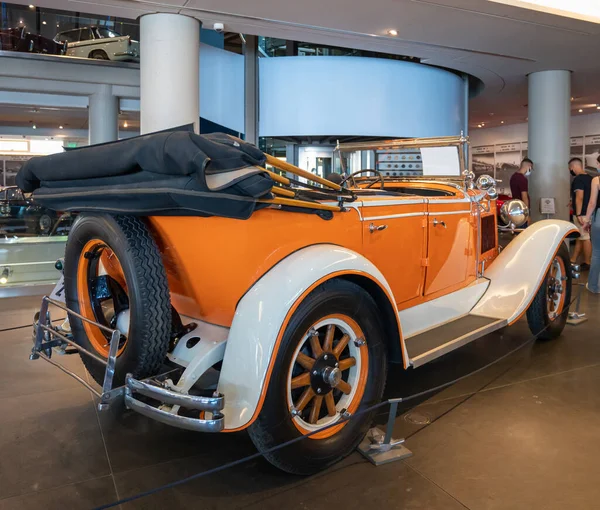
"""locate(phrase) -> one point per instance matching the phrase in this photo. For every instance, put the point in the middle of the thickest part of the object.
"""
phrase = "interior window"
(106, 32)
(86, 35)
(71, 36)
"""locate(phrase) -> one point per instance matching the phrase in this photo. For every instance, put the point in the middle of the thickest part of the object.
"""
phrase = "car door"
(394, 240)
(449, 231)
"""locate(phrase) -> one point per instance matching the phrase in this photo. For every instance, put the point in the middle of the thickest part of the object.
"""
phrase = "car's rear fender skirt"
(517, 273)
(264, 311)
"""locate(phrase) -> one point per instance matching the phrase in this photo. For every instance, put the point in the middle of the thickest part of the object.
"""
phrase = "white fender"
(261, 314)
(517, 273)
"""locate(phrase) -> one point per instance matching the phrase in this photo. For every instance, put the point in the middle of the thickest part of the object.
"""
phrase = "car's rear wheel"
(99, 55)
(114, 276)
(548, 313)
(331, 363)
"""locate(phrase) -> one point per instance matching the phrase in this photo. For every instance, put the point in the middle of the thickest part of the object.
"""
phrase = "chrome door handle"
(378, 228)
(436, 222)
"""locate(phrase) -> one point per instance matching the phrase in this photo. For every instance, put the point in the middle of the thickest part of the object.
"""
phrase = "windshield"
(106, 32)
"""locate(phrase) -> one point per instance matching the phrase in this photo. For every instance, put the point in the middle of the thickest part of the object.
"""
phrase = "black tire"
(538, 317)
(44, 224)
(274, 424)
(99, 55)
(147, 289)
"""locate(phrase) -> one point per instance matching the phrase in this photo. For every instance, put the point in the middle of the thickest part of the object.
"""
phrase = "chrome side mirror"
(514, 213)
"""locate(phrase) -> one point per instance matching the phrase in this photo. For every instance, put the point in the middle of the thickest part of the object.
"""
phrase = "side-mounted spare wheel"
(114, 275)
(548, 313)
(331, 364)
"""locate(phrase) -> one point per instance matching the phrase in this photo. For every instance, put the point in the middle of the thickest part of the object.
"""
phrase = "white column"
(103, 116)
(169, 71)
(549, 140)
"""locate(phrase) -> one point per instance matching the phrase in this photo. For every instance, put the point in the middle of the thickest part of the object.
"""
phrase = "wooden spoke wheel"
(328, 374)
(548, 312)
(330, 364)
(114, 276)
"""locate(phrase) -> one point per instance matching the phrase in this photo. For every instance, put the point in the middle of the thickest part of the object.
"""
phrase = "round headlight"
(492, 193)
(485, 182)
(514, 212)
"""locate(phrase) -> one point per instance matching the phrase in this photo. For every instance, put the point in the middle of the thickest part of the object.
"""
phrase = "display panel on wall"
(502, 160)
(592, 151)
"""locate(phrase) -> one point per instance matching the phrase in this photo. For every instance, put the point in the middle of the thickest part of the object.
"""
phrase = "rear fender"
(262, 315)
(517, 273)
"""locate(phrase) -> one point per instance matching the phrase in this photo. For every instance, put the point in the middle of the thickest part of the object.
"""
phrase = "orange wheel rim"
(98, 260)
(556, 291)
(328, 375)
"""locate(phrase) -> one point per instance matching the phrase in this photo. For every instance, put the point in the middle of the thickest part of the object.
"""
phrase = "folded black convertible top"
(166, 173)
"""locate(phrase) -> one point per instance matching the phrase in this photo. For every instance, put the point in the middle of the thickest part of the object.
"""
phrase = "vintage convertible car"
(285, 322)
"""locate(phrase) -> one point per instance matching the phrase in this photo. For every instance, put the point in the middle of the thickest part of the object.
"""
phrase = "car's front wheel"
(331, 364)
(548, 313)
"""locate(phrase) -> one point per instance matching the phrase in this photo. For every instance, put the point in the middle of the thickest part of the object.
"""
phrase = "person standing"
(519, 186)
(592, 224)
(580, 196)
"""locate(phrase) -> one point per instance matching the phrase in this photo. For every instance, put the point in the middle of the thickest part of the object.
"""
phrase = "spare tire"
(114, 276)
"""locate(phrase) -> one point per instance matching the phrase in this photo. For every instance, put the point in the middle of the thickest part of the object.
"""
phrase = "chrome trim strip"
(379, 203)
(391, 216)
(166, 396)
(447, 213)
(428, 356)
(183, 422)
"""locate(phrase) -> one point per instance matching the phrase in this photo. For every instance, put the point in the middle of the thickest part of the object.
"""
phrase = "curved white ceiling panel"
(355, 96)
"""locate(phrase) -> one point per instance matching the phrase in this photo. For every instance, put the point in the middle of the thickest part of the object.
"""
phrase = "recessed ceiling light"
(125, 124)
(479, 125)
(580, 110)
(597, 107)
(21, 21)
(60, 127)
(43, 22)
(572, 98)
(393, 32)
(501, 122)
(32, 6)
(34, 126)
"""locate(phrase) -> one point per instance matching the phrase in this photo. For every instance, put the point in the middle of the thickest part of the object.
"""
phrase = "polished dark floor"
(522, 434)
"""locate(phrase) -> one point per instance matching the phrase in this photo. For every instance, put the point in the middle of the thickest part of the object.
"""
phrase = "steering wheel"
(354, 174)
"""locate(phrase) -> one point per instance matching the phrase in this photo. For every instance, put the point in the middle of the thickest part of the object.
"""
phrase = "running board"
(441, 340)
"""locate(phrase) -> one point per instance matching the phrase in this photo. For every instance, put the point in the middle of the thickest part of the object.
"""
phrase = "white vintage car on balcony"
(99, 42)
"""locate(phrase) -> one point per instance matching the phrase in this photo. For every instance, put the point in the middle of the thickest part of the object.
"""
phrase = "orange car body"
(426, 246)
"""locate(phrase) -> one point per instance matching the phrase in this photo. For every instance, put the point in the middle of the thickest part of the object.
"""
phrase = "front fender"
(261, 317)
(517, 273)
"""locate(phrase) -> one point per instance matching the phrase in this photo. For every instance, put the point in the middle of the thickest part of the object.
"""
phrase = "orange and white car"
(290, 320)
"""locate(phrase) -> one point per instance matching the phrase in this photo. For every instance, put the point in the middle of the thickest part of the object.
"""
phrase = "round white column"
(169, 72)
(103, 116)
(549, 140)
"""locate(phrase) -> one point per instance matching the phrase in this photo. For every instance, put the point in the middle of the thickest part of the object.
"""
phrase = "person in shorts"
(580, 196)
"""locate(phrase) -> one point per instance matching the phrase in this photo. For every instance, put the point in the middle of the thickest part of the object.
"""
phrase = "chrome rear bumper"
(167, 401)
(166, 397)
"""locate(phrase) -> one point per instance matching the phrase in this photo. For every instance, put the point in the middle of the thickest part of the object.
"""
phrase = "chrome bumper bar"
(168, 401)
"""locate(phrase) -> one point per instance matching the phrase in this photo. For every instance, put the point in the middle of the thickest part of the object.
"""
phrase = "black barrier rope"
(257, 455)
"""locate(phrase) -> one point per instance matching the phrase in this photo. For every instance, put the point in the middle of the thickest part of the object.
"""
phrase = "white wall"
(581, 125)
(355, 96)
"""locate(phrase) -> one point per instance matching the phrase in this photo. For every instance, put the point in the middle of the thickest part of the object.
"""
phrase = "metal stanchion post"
(379, 447)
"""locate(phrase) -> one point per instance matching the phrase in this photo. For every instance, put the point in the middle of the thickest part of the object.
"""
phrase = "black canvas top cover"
(167, 173)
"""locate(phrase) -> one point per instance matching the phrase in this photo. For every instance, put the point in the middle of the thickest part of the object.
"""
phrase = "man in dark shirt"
(580, 196)
(519, 186)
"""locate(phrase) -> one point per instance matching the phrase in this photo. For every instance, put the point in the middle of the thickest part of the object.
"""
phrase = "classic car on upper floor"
(19, 39)
(100, 43)
(285, 323)
(19, 215)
